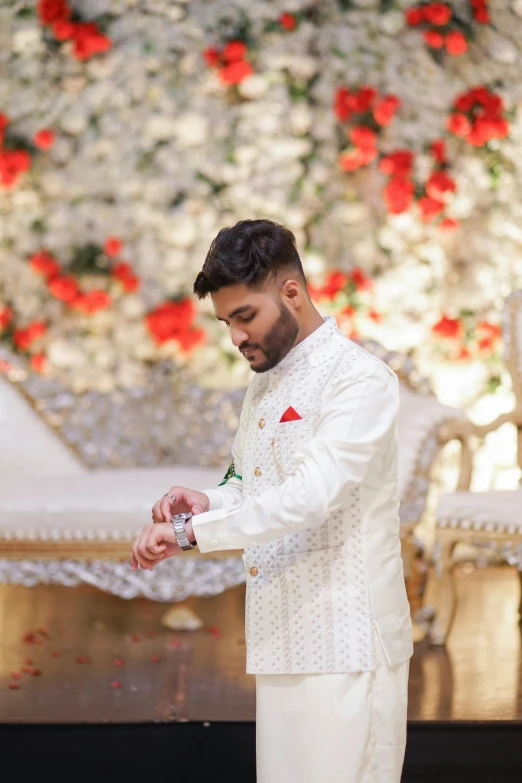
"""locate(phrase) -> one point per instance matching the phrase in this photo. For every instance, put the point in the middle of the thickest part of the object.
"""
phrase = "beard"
(277, 342)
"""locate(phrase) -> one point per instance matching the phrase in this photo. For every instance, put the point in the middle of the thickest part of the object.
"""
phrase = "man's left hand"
(155, 543)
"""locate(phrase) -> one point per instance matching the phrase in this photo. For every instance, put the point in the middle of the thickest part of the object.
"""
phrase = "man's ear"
(292, 292)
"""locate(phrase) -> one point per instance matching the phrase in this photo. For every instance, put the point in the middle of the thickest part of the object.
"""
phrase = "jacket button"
(257, 472)
(254, 571)
(261, 424)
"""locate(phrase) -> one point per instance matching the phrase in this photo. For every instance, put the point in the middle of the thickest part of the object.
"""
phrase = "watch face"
(182, 517)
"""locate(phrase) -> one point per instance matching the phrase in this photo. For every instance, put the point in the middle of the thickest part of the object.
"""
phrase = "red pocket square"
(290, 415)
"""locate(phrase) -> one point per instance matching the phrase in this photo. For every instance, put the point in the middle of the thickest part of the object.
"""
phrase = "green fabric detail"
(231, 473)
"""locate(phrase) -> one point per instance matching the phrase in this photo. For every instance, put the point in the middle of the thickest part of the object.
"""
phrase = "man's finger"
(166, 507)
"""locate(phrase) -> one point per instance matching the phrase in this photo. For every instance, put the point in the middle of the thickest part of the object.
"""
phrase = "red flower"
(374, 315)
(464, 102)
(364, 137)
(430, 208)
(233, 51)
(53, 10)
(91, 302)
(447, 327)
(64, 288)
(456, 43)
(211, 56)
(235, 72)
(434, 39)
(489, 329)
(190, 339)
(438, 150)
(44, 139)
(437, 13)
(398, 194)
(44, 263)
(449, 224)
(6, 316)
(112, 246)
(356, 157)
(385, 108)
(458, 124)
(414, 16)
(364, 98)
(13, 163)
(23, 338)
(344, 103)
(63, 30)
(88, 40)
(124, 273)
(362, 283)
(398, 163)
(439, 184)
(288, 21)
(482, 15)
(170, 319)
(39, 362)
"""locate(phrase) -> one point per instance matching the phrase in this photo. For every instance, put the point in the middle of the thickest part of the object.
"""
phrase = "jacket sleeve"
(230, 491)
(356, 419)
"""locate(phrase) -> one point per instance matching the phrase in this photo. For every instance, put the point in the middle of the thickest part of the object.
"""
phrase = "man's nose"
(238, 336)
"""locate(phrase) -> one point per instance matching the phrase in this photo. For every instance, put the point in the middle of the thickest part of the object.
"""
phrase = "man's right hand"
(184, 500)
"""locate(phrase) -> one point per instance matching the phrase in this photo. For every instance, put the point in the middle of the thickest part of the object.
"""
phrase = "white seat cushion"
(100, 505)
(495, 511)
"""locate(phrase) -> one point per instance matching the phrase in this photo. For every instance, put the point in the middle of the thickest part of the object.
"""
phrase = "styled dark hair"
(249, 253)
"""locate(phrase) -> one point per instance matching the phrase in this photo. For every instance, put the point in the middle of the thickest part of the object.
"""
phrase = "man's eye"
(250, 318)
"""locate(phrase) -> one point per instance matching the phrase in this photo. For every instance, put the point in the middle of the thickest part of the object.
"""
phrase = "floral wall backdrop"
(386, 134)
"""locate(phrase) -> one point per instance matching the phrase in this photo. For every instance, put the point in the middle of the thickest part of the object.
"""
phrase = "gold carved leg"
(446, 596)
(415, 572)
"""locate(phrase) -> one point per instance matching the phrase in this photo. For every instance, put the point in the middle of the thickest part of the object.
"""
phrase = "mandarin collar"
(304, 349)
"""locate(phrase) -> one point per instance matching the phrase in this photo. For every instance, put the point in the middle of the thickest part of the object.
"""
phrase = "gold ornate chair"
(425, 427)
(491, 518)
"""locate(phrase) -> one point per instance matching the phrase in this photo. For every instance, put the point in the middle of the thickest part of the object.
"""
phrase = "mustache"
(248, 347)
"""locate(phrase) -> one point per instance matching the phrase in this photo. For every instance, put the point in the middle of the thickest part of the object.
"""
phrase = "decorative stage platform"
(93, 687)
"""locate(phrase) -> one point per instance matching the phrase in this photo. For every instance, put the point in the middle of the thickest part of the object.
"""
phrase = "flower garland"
(86, 37)
(371, 112)
(16, 152)
(443, 27)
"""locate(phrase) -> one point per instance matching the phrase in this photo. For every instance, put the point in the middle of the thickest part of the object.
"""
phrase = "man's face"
(261, 325)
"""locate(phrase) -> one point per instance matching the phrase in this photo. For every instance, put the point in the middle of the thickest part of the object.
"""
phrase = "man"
(312, 497)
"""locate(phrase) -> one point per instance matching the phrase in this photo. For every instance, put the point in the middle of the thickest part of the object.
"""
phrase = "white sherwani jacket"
(314, 503)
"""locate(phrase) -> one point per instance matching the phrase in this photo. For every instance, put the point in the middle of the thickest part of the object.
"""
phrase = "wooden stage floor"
(78, 655)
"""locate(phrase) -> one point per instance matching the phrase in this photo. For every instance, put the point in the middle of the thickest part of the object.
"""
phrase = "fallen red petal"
(27, 669)
(174, 643)
(14, 686)
(213, 631)
(83, 659)
(118, 662)
(155, 658)
(135, 637)
(116, 684)
(16, 675)
(43, 632)
(36, 672)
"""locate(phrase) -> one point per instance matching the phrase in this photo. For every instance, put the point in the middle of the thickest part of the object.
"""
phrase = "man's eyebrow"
(238, 311)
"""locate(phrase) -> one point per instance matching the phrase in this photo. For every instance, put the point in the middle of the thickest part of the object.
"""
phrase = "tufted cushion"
(28, 446)
(99, 505)
(497, 511)
(419, 417)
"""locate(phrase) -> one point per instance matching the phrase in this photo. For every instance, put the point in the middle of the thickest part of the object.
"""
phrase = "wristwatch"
(179, 522)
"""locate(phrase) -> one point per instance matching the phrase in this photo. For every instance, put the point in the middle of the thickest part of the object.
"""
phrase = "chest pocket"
(288, 438)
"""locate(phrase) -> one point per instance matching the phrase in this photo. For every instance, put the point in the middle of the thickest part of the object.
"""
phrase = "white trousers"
(332, 728)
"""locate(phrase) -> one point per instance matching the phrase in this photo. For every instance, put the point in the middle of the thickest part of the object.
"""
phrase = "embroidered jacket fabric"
(314, 502)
